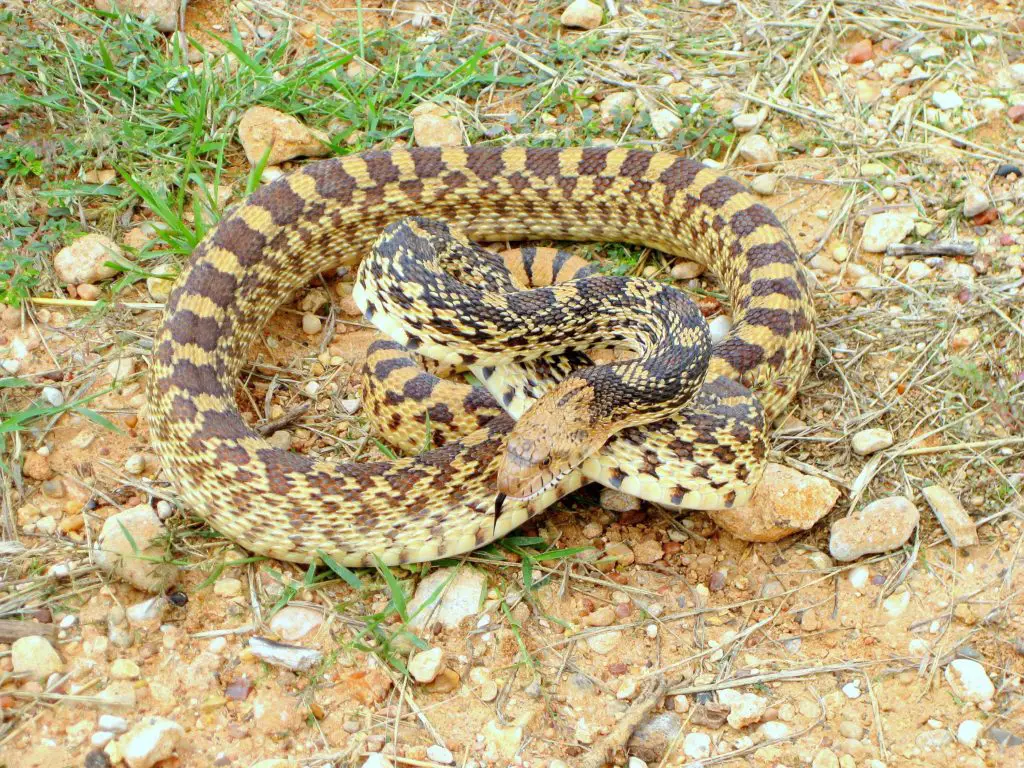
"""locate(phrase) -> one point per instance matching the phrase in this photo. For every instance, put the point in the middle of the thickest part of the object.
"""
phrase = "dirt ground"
(850, 661)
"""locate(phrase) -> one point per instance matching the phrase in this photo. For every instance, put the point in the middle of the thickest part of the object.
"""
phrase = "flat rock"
(34, 656)
(880, 526)
(953, 518)
(765, 183)
(459, 600)
(884, 229)
(666, 123)
(434, 125)
(291, 657)
(582, 14)
(163, 13)
(617, 501)
(85, 260)
(262, 129)
(149, 742)
(784, 502)
(969, 680)
(868, 441)
(294, 622)
(759, 151)
(501, 742)
(138, 557)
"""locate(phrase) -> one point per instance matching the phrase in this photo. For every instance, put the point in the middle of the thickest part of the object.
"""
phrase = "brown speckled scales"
(440, 503)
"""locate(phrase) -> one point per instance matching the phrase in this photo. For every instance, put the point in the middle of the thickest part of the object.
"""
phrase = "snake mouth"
(546, 486)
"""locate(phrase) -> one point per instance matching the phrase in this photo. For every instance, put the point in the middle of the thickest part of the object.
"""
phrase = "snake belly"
(440, 503)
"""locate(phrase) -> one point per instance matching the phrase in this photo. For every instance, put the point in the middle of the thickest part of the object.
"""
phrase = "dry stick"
(11, 630)
(604, 750)
(955, 248)
(281, 421)
(785, 674)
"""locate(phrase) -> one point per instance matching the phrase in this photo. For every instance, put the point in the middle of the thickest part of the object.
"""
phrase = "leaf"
(397, 595)
(340, 570)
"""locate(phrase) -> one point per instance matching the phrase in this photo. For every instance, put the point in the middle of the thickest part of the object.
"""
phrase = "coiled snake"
(441, 503)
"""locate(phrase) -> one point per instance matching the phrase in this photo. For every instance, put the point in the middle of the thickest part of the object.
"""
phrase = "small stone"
(149, 742)
(582, 14)
(648, 551)
(746, 709)
(880, 526)
(36, 466)
(121, 369)
(825, 758)
(113, 723)
(135, 464)
(697, 746)
(53, 396)
(860, 52)
(967, 733)
(604, 642)
(433, 125)
(852, 690)
(952, 516)
(89, 292)
(439, 754)
(758, 151)
(131, 546)
(291, 657)
(620, 552)
(311, 324)
(228, 587)
(896, 604)
(262, 130)
(869, 441)
(34, 656)
(617, 501)
(602, 617)
(161, 281)
(947, 100)
(377, 760)
(918, 270)
(884, 229)
(765, 183)
(163, 13)
(666, 123)
(501, 743)
(86, 259)
(294, 622)
(859, 577)
(851, 730)
(687, 270)
(425, 665)
(125, 669)
(651, 740)
(969, 680)
(719, 327)
(784, 502)
(1016, 113)
(976, 201)
(617, 106)
(747, 121)
(461, 599)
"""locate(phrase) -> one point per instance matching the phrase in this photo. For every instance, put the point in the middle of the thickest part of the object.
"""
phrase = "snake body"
(440, 503)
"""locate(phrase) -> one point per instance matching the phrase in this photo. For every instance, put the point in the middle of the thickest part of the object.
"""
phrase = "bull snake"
(440, 503)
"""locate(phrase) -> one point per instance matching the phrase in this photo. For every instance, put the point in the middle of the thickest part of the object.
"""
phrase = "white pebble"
(719, 327)
(697, 746)
(135, 464)
(439, 754)
(859, 577)
(53, 396)
(968, 732)
(852, 690)
(311, 324)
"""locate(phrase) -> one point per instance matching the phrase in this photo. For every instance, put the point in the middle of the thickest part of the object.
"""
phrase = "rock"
(85, 260)
(746, 709)
(501, 742)
(604, 642)
(121, 368)
(113, 723)
(883, 229)
(969, 680)
(425, 665)
(582, 14)
(648, 551)
(719, 326)
(311, 324)
(896, 604)
(125, 669)
(747, 121)
(1016, 113)
(459, 600)
(439, 754)
(758, 151)
(765, 183)
(276, 762)
(968, 732)
(859, 577)
(952, 516)
(869, 441)
(294, 622)
(620, 552)
(825, 758)
(53, 396)
(947, 100)
(666, 123)
(880, 526)
(149, 742)
(918, 270)
(617, 501)
(135, 464)
(976, 201)
(36, 466)
(930, 741)
(697, 746)
(784, 502)
(852, 690)
(262, 129)
(163, 13)
(34, 656)
(433, 125)
(651, 740)
(686, 270)
(291, 657)
(160, 285)
(602, 617)
(617, 105)
(131, 546)
(860, 52)
(229, 586)
(377, 760)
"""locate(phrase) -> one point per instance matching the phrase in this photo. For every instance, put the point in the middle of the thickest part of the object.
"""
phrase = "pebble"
(852, 690)
(227, 587)
(85, 260)
(602, 617)
(869, 441)
(745, 709)
(121, 368)
(880, 526)
(666, 123)
(377, 760)
(635, 762)
(135, 464)
(687, 270)
(34, 656)
(125, 669)
(161, 281)
(859, 577)
(1016, 113)
(947, 100)
(784, 502)
(439, 754)
(648, 551)
(604, 642)
(967, 733)
(425, 665)
(138, 560)
(501, 742)
(617, 105)
(697, 746)
(884, 229)
(719, 326)
(53, 396)
(291, 657)
(969, 680)
(149, 742)
(747, 121)
(617, 501)
(434, 125)
(311, 324)
(758, 151)
(954, 519)
(918, 270)
(765, 183)
(976, 201)
(930, 741)
(773, 729)
(651, 740)
(620, 552)
(262, 129)
(294, 622)
(851, 730)
(825, 758)
(582, 14)
(460, 600)
(896, 604)
(164, 13)
(147, 610)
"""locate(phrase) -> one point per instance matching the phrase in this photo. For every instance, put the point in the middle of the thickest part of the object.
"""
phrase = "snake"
(441, 502)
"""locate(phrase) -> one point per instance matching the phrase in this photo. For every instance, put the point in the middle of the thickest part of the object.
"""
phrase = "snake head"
(551, 440)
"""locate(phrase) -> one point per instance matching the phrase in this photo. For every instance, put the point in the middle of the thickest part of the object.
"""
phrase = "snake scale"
(441, 502)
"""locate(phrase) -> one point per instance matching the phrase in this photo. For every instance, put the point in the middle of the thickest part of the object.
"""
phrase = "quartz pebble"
(35, 657)
(869, 441)
(975, 201)
(425, 665)
(952, 516)
(880, 526)
(967, 733)
(434, 125)
(86, 259)
(149, 742)
(969, 680)
(666, 123)
(263, 130)
(582, 14)
(765, 183)
(459, 600)
(311, 324)
(758, 151)
(884, 229)
(294, 622)
(697, 746)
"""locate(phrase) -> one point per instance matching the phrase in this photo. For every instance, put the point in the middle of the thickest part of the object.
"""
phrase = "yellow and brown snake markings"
(329, 213)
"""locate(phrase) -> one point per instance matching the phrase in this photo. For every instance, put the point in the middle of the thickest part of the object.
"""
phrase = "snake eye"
(546, 462)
